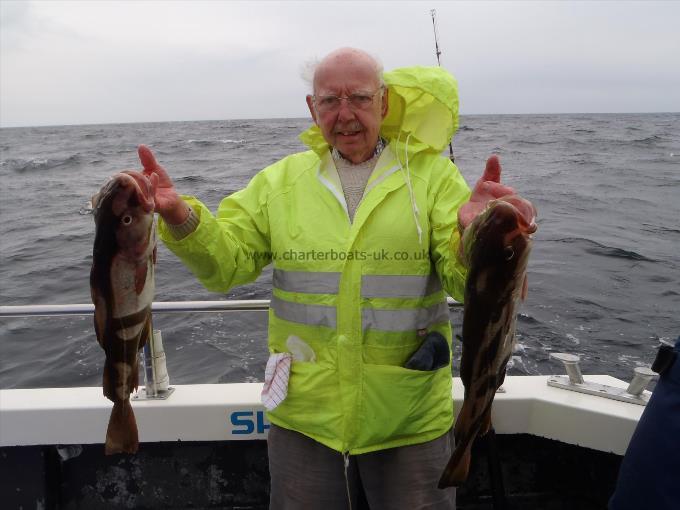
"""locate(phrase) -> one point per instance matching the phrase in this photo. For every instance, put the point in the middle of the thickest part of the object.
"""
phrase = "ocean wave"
(585, 159)
(596, 248)
(208, 143)
(39, 164)
(191, 179)
(647, 140)
(588, 303)
(533, 142)
(527, 319)
(659, 229)
(644, 143)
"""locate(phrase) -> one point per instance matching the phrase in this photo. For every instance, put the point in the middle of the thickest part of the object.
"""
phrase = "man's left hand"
(488, 188)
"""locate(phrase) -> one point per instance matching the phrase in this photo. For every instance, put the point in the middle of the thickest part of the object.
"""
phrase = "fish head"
(524, 211)
(123, 208)
(499, 239)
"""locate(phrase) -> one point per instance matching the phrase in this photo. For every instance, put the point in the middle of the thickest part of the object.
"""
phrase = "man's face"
(352, 130)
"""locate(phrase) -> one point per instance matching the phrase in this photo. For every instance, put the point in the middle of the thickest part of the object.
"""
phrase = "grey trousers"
(306, 475)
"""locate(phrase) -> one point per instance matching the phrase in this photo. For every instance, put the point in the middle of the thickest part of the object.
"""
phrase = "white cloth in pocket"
(276, 375)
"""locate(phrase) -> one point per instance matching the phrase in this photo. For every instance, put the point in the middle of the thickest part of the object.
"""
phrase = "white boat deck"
(212, 412)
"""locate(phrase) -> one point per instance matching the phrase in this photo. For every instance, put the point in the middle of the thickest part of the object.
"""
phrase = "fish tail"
(456, 471)
(121, 434)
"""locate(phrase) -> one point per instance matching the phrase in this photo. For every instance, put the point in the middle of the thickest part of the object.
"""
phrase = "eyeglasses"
(356, 101)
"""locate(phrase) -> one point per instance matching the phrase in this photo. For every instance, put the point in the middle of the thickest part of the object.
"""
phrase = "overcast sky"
(109, 62)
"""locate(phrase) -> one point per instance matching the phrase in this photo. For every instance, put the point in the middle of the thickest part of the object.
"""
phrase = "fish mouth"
(142, 187)
(523, 210)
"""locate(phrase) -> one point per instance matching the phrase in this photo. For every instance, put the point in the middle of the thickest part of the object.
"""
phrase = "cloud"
(83, 62)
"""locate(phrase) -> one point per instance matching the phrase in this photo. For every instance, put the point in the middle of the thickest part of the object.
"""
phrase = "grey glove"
(432, 354)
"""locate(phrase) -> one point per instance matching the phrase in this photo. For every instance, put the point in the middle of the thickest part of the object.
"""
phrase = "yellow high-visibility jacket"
(357, 293)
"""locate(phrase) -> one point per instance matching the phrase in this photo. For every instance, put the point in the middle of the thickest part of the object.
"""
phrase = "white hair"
(307, 70)
(309, 66)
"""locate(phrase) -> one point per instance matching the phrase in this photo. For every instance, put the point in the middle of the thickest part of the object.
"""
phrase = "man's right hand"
(167, 201)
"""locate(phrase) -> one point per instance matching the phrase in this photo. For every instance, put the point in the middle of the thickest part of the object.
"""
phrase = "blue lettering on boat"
(248, 422)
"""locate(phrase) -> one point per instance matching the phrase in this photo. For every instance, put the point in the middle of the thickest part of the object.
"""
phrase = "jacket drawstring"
(345, 457)
(407, 179)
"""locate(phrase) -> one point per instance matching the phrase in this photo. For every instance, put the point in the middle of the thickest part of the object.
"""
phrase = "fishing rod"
(438, 52)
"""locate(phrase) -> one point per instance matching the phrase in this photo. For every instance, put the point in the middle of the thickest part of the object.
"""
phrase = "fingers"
(489, 186)
(466, 214)
(492, 172)
(154, 179)
(148, 160)
(491, 189)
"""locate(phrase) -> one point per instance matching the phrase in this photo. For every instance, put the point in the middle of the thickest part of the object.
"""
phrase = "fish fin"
(140, 277)
(454, 473)
(485, 422)
(525, 287)
(145, 334)
(463, 420)
(465, 431)
(121, 434)
(457, 470)
(501, 377)
(134, 376)
(99, 315)
(106, 383)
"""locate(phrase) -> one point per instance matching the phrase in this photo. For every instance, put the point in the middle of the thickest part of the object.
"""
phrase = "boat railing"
(156, 307)
(234, 305)
(153, 366)
(153, 350)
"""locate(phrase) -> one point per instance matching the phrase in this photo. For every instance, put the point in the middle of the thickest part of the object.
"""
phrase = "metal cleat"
(634, 394)
(156, 380)
(641, 379)
(571, 364)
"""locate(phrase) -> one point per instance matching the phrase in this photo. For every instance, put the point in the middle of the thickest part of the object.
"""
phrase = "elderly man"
(376, 211)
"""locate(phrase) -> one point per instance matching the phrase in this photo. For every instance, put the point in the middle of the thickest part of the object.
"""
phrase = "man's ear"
(310, 105)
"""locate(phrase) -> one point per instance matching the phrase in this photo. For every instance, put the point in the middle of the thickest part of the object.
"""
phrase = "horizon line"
(21, 126)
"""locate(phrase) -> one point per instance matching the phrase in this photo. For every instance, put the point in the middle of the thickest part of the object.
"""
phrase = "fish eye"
(126, 220)
(508, 252)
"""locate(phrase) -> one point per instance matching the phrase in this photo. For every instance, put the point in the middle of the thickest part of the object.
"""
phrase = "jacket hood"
(423, 108)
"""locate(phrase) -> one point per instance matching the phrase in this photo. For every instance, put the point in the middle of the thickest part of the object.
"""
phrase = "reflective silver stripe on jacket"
(404, 286)
(404, 320)
(312, 315)
(307, 282)
(372, 286)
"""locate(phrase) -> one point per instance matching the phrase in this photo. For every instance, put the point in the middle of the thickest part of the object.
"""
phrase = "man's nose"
(345, 112)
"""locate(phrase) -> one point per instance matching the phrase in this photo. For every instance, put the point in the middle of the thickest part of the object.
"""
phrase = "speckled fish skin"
(122, 287)
(498, 244)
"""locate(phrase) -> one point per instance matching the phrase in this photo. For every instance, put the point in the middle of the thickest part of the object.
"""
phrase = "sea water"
(604, 276)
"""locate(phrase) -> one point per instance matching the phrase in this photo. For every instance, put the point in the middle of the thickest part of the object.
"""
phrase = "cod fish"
(122, 287)
(497, 246)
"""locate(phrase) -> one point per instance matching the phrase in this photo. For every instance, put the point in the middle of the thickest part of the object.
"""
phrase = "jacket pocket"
(402, 406)
(311, 405)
